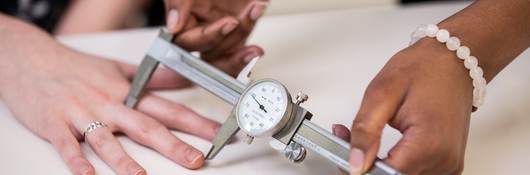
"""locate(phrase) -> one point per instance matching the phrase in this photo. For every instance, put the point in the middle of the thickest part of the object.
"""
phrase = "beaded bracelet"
(453, 44)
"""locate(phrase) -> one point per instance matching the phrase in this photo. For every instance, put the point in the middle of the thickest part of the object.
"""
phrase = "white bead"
(478, 96)
(476, 83)
(475, 94)
(415, 36)
(470, 62)
(420, 32)
(431, 30)
(442, 35)
(413, 41)
(482, 93)
(479, 82)
(453, 43)
(483, 82)
(463, 52)
(478, 103)
(476, 72)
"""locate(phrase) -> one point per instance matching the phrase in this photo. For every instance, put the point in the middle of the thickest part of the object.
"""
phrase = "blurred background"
(295, 6)
(48, 13)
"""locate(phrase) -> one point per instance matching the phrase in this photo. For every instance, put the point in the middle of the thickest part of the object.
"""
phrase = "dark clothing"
(47, 13)
(43, 13)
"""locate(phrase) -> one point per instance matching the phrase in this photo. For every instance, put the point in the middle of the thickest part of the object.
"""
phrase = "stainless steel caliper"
(261, 108)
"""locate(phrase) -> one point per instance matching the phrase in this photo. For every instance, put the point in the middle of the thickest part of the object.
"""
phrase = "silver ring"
(93, 126)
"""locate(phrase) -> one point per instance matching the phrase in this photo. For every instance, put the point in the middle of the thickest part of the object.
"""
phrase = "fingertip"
(228, 28)
(233, 140)
(132, 167)
(87, 169)
(194, 158)
(341, 131)
(79, 165)
(258, 10)
(140, 172)
(251, 53)
(356, 161)
(172, 20)
(250, 57)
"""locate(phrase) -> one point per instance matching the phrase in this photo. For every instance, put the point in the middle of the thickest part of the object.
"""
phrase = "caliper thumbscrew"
(301, 97)
(295, 152)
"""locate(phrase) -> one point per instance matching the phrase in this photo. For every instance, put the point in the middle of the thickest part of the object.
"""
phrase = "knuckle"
(100, 140)
(150, 128)
(365, 128)
(365, 135)
(77, 161)
(379, 87)
(176, 147)
(62, 144)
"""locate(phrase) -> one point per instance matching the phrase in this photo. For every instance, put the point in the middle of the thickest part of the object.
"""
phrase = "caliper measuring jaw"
(296, 135)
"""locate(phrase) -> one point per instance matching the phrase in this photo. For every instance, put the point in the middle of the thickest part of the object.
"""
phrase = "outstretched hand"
(57, 92)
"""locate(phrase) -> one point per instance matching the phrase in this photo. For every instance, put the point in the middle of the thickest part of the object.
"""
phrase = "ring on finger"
(93, 126)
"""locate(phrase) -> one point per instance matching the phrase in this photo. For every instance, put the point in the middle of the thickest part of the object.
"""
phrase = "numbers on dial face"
(262, 108)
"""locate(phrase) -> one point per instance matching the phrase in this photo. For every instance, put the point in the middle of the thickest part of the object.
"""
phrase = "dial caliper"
(262, 108)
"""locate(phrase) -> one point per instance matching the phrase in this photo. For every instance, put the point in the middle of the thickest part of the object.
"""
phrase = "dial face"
(262, 108)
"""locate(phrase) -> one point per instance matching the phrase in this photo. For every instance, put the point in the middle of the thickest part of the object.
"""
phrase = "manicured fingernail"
(234, 140)
(333, 126)
(87, 171)
(250, 57)
(192, 155)
(172, 20)
(356, 161)
(257, 11)
(229, 27)
(140, 172)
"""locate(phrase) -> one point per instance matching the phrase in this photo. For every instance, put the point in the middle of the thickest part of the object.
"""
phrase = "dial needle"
(260, 105)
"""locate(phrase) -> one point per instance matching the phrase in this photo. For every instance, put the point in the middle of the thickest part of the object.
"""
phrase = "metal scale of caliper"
(262, 108)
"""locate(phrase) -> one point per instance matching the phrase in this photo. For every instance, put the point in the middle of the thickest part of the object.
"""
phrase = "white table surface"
(331, 56)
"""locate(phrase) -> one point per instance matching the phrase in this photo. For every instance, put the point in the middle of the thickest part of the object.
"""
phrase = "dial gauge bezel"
(285, 117)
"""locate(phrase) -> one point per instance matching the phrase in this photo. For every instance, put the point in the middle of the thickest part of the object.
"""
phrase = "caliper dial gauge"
(263, 108)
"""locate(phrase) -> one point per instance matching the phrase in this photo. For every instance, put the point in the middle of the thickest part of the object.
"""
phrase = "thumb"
(177, 14)
(380, 103)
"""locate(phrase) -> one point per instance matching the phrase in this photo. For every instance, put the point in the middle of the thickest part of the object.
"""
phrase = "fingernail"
(229, 27)
(140, 172)
(172, 20)
(356, 161)
(192, 155)
(87, 171)
(234, 140)
(257, 11)
(250, 57)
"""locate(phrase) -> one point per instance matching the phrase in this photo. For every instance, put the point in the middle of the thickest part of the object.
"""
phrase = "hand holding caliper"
(286, 121)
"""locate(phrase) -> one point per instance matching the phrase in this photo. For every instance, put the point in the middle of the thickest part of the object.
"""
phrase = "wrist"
(462, 52)
(22, 48)
(429, 60)
(496, 32)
